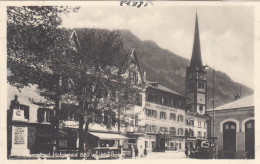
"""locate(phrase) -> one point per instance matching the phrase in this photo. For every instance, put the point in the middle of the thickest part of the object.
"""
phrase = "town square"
(130, 81)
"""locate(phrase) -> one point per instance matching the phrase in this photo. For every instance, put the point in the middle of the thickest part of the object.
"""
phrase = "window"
(172, 102)
(186, 133)
(180, 105)
(179, 145)
(205, 125)
(172, 116)
(199, 134)
(151, 113)
(180, 131)
(201, 108)
(45, 115)
(163, 115)
(163, 129)
(186, 122)
(163, 100)
(191, 133)
(151, 128)
(173, 130)
(205, 135)
(199, 124)
(201, 85)
(191, 122)
(180, 118)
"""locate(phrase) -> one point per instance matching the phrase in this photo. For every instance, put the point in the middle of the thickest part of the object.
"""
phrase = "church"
(196, 95)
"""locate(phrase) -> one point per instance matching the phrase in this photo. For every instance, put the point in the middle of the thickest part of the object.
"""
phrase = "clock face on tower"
(201, 75)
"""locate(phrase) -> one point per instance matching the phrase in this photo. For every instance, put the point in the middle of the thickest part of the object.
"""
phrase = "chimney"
(237, 96)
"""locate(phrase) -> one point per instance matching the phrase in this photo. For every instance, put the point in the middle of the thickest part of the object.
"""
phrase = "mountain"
(169, 69)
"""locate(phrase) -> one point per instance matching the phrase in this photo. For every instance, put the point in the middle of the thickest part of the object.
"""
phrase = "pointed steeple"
(196, 62)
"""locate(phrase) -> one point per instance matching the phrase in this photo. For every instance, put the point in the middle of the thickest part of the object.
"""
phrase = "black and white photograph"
(128, 80)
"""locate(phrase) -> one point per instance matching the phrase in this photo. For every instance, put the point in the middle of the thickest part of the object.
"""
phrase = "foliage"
(99, 76)
(36, 46)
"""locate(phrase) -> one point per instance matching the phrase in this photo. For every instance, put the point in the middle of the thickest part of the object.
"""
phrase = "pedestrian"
(136, 152)
(186, 151)
(145, 152)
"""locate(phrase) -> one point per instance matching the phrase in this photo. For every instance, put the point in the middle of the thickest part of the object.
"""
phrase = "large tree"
(101, 78)
(35, 50)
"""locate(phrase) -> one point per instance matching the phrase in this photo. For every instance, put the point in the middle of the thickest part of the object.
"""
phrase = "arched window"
(229, 136)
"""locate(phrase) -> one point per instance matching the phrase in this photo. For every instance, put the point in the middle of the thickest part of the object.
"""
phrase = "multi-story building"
(164, 118)
(196, 94)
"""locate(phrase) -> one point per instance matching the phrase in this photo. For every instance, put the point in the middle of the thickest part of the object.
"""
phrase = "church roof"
(240, 103)
(196, 61)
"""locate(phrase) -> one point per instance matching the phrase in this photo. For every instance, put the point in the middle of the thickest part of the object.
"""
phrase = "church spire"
(196, 62)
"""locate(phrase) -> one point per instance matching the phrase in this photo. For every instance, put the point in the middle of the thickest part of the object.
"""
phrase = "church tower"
(196, 82)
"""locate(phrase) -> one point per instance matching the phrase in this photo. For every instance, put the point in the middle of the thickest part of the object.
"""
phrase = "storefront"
(98, 139)
(150, 142)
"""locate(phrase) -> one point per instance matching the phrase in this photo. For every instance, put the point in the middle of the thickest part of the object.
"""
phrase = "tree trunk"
(86, 130)
(81, 135)
(119, 121)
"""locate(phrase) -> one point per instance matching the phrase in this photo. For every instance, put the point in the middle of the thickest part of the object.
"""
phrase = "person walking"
(186, 152)
(136, 153)
(145, 152)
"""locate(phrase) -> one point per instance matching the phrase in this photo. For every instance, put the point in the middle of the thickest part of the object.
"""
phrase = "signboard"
(19, 115)
(160, 107)
(19, 141)
(19, 135)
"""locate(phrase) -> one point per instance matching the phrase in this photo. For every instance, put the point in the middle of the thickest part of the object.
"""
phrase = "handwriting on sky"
(137, 4)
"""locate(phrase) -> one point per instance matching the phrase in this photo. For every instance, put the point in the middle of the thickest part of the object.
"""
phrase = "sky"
(226, 32)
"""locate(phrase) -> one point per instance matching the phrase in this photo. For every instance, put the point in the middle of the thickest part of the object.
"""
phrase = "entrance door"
(250, 136)
(162, 144)
(229, 136)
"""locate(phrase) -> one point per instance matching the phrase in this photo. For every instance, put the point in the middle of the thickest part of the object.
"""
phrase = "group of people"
(199, 153)
(136, 151)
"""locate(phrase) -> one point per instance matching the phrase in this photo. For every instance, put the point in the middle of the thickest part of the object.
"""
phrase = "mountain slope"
(169, 70)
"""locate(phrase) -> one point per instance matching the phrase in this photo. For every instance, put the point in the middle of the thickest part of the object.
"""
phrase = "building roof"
(240, 103)
(196, 61)
(162, 88)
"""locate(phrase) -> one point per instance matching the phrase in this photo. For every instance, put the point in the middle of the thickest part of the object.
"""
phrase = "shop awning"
(108, 136)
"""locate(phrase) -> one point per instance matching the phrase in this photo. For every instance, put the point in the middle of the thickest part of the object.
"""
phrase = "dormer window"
(155, 84)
